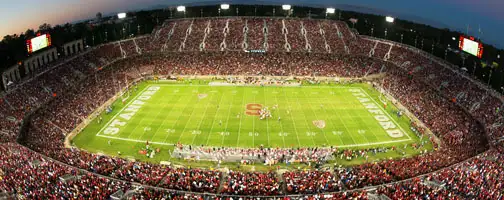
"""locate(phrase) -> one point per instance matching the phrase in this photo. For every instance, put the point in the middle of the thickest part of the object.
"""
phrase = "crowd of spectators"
(235, 37)
(241, 34)
(311, 182)
(417, 188)
(252, 183)
(459, 116)
(455, 85)
(129, 47)
(334, 37)
(255, 34)
(479, 178)
(32, 176)
(216, 35)
(298, 155)
(161, 36)
(197, 34)
(295, 37)
(316, 36)
(276, 37)
(177, 36)
(195, 180)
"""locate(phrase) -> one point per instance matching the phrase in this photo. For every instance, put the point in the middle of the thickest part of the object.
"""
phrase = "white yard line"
(227, 121)
(164, 120)
(162, 124)
(253, 125)
(150, 124)
(352, 116)
(333, 124)
(242, 115)
(267, 120)
(306, 121)
(213, 122)
(292, 118)
(175, 123)
(203, 118)
(367, 127)
(281, 126)
(311, 108)
(140, 122)
(190, 116)
(133, 140)
(346, 128)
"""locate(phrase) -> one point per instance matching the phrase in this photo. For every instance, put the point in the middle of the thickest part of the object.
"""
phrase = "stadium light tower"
(287, 8)
(330, 11)
(121, 15)
(182, 9)
(224, 6)
(389, 19)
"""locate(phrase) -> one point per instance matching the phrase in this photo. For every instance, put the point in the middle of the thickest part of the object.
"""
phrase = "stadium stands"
(457, 109)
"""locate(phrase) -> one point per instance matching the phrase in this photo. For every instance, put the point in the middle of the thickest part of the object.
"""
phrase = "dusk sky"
(19, 15)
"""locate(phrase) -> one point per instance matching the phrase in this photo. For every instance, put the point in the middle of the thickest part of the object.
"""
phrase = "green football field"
(345, 116)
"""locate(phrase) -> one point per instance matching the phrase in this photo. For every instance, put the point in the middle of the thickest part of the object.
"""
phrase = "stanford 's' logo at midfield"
(253, 109)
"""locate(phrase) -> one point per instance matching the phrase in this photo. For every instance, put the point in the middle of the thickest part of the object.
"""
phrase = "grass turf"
(197, 114)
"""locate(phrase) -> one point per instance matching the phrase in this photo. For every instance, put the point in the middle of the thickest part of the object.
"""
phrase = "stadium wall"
(10, 75)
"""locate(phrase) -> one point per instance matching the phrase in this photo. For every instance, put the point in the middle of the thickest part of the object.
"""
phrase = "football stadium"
(250, 102)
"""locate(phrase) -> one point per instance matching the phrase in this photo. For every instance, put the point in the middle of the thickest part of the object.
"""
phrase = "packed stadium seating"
(460, 111)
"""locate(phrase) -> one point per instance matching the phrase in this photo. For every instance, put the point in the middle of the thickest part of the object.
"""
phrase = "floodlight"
(330, 11)
(389, 19)
(121, 15)
(286, 7)
(181, 8)
(224, 6)
(453, 38)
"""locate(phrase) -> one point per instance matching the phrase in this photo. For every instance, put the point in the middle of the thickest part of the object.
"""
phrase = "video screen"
(470, 46)
(38, 43)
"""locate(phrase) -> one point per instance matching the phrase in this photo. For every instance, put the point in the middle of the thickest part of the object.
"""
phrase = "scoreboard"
(471, 46)
(38, 43)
